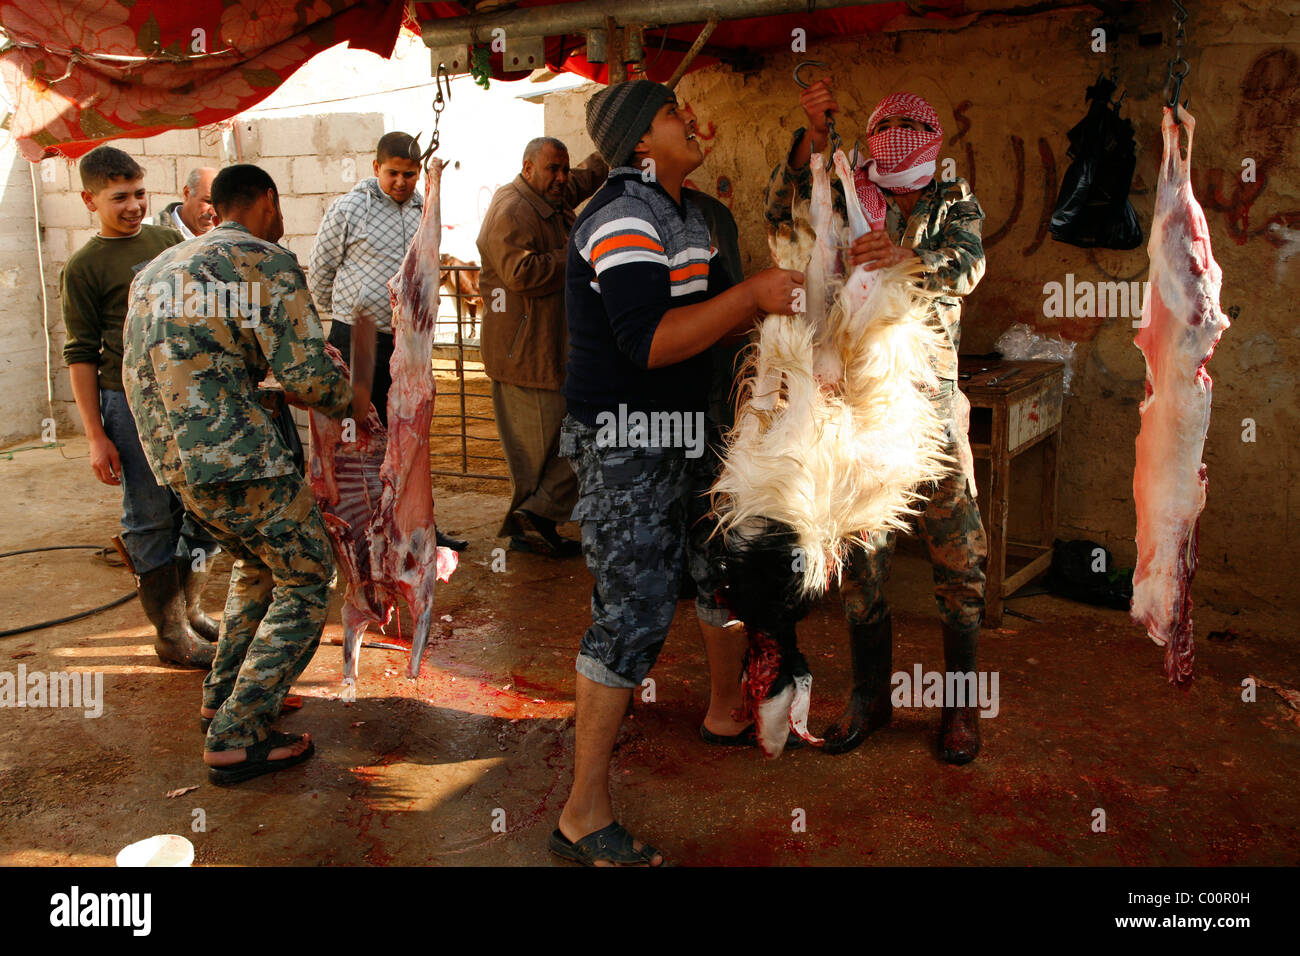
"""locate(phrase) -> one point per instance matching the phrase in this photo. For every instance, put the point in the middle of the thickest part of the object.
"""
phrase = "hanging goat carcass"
(835, 433)
(1181, 325)
(373, 484)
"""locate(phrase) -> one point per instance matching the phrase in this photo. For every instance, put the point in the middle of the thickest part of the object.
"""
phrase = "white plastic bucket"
(166, 849)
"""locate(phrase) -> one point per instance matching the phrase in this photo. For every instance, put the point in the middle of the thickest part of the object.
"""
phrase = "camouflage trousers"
(643, 517)
(952, 531)
(278, 598)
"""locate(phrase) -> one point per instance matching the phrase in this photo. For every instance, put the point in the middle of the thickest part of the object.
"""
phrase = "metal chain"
(1174, 78)
(439, 104)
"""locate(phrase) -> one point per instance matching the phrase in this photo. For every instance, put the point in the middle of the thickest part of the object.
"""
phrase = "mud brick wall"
(1007, 90)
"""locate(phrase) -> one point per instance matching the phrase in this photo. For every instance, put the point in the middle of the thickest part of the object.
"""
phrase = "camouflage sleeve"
(785, 185)
(954, 255)
(289, 333)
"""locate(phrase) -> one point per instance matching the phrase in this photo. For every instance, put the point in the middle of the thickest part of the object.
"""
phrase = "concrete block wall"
(313, 160)
(22, 339)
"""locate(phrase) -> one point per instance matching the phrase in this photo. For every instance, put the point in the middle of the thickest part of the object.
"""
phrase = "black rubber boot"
(872, 650)
(192, 584)
(959, 731)
(163, 601)
(447, 541)
(552, 543)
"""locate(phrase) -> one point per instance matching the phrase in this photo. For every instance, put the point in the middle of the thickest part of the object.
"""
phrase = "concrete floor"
(419, 773)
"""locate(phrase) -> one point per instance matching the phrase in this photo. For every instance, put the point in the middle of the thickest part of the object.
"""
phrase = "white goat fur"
(836, 431)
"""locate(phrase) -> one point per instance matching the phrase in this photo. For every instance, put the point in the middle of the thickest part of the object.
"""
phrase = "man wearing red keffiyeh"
(913, 216)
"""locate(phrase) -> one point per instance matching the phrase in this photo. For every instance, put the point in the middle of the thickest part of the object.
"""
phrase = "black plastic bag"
(1072, 576)
(1093, 209)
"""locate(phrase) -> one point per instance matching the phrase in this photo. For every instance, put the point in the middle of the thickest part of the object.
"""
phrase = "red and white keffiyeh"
(901, 159)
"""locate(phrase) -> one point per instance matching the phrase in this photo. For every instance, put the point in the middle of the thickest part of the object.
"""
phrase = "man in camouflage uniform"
(938, 223)
(207, 321)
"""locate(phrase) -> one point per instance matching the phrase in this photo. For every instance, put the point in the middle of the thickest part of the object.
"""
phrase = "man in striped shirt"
(644, 303)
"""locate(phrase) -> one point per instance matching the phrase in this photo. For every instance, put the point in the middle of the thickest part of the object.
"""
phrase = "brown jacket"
(522, 246)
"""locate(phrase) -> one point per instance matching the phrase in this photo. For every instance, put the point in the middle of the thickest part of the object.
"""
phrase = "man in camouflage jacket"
(939, 223)
(207, 321)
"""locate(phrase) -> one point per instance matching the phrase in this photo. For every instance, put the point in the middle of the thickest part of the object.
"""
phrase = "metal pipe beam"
(577, 17)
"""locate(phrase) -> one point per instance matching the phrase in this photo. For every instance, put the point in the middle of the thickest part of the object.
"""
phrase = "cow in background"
(462, 282)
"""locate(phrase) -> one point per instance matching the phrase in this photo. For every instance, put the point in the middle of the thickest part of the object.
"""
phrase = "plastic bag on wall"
(1093, 209)
(1021, 343)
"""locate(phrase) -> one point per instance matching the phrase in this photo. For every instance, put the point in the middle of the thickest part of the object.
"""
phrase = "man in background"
(524, 339)
(360, 246)
(193, 215)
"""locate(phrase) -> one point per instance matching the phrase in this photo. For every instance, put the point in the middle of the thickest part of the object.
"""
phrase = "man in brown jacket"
(524, 339)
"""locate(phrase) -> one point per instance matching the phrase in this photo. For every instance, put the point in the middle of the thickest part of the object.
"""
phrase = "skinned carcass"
(835, 433)
(373, 483)
(1181, 324)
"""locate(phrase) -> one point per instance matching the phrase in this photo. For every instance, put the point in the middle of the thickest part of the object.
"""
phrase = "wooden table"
(1014, 406)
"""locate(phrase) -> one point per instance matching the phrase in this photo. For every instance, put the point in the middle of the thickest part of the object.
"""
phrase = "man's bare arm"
(688, 330)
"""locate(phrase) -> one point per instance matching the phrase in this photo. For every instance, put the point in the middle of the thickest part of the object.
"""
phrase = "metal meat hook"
(806, 63)
(1174, 83)
(834, 137)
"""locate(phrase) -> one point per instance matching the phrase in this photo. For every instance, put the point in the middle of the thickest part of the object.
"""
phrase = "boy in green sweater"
(167, 549)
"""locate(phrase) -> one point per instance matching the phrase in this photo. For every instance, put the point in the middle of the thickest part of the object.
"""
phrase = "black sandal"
(746, 738)
(611, 844)
(255, 763)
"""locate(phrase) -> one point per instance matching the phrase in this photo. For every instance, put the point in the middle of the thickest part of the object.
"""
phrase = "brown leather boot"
(163, 601)
(192, 583)
(959, 731)
(871, 647)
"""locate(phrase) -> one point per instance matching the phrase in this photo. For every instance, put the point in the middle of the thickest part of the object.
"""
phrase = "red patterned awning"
(78, 72)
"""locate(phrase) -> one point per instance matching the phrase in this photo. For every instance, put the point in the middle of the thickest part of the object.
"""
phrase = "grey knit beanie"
(619, 115)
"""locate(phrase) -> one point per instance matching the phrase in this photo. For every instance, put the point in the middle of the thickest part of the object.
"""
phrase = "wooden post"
(698, 45)
(1051, 453)
(999, 505)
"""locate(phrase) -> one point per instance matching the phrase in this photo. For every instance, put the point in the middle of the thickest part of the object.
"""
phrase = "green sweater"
(94, 285)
